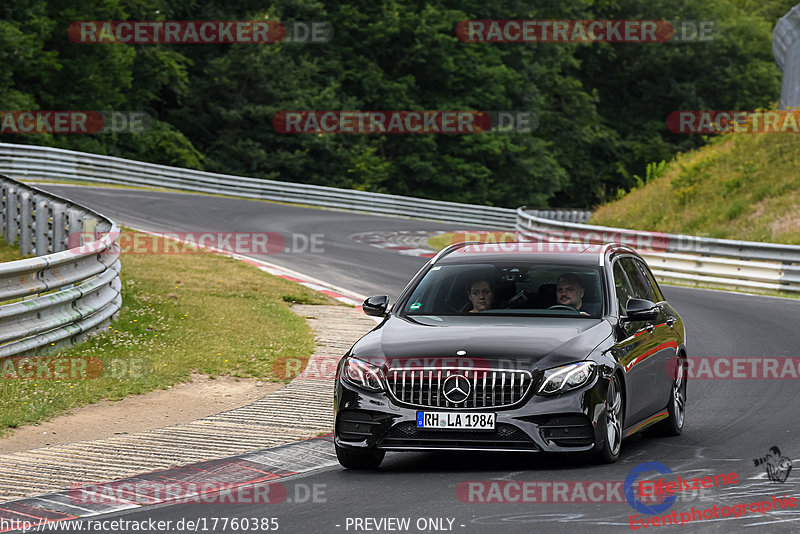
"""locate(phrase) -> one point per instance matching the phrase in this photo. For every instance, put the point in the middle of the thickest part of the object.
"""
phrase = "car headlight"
(566, 377)
(362, 374)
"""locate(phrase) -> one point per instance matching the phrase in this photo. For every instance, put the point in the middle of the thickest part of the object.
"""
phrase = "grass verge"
(10, 252)
(739, 186)
(180, 313)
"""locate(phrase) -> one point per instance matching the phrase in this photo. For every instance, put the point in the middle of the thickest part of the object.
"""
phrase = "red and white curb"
(253, 478)
(406, 242)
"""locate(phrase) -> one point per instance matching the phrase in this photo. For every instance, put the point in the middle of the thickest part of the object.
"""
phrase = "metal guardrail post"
(88, 226)
(74, 228)
(11, 215)
(3, 211)
(42, 226)
(59, 230)
(25, 223)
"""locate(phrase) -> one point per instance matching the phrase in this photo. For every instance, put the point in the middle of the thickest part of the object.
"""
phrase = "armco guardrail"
(739, 264)
(66, 292)
(684, 258)
(571, 216)
(27, 162)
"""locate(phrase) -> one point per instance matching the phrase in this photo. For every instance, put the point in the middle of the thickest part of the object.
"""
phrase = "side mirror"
(641, 310)
(376, 306)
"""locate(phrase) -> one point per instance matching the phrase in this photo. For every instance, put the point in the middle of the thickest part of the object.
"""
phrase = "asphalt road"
(730, 422)
(343, 262)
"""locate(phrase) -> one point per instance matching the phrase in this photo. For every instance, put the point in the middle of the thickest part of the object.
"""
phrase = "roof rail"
(626, 248)
(615, 247)
(455, 246)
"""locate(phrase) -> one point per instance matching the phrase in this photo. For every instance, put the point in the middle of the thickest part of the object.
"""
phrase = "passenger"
(570, 291)
(480, 294)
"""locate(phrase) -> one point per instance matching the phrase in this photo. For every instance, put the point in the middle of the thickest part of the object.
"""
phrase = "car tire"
(673, 425)
(350, 459)
(614, 418)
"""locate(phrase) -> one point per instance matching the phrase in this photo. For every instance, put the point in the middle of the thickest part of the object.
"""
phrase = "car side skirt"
(646, 422)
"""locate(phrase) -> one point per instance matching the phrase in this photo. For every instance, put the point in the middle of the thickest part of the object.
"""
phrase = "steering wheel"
(521, 296)
(563, 307)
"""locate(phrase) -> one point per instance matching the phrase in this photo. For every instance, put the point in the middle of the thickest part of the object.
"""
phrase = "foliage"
(600, 108)
(640, 85)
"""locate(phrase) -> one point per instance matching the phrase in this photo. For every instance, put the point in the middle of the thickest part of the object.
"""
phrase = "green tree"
(639, 85)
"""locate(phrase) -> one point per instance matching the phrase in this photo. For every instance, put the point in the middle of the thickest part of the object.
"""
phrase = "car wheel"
(673, 425)
(350, 459)
(615, 411)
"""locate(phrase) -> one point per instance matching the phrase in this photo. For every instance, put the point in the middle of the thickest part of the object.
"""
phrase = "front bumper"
(570, 422)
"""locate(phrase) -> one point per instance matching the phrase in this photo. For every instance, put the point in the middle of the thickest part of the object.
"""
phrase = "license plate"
(459, 421)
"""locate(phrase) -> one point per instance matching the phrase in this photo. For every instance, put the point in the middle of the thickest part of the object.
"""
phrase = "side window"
(622, 287)
(641, 288)
(648, 276)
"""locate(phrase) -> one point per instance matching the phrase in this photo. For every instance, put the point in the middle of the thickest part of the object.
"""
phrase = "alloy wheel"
(614, 416)
(679, 397)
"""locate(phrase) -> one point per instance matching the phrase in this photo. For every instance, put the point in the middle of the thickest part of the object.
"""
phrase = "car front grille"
(479, 388)
(504, 436)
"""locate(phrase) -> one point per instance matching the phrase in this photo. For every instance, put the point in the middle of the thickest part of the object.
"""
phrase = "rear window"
(508, 289)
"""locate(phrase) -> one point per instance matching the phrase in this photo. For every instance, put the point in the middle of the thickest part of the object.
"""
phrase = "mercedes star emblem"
(456, 388)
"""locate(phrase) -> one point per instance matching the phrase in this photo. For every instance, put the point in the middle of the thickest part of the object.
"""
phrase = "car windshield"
(523, 289)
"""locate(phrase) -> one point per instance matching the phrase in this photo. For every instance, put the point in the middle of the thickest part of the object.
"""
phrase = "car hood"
(541, 342)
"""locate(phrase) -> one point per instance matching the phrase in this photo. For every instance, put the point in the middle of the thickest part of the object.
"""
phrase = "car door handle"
(671, 322)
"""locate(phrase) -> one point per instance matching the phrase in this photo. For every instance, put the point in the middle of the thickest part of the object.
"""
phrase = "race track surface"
(730, 422)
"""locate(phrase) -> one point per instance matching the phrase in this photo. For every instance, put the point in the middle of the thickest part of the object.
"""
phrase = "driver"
(570, 291)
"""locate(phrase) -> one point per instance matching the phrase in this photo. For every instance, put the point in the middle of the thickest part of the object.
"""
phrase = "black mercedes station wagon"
(557, 347)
